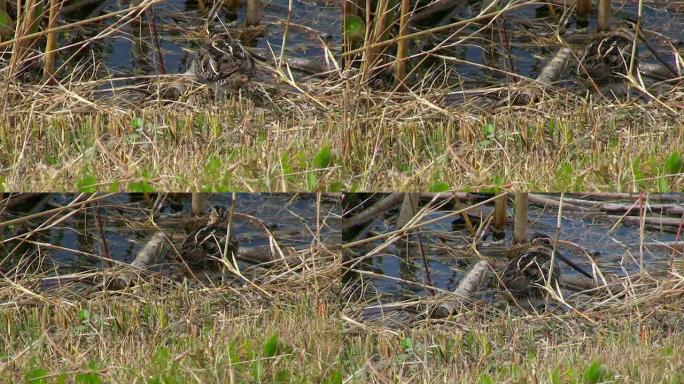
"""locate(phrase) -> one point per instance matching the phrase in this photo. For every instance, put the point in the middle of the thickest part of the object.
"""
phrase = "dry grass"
(170, 332)
(632, 337)
(58, 139)
(564, 144)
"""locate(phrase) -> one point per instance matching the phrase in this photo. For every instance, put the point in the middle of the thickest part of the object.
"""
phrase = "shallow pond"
(394, 278)
(292, 219)
(131, 50)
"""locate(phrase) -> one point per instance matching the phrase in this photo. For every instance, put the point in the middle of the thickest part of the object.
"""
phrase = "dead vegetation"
(273, 317)
(609, 328)
(491, 99)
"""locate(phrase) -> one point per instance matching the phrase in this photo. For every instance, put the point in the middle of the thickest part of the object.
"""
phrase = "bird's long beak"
(573, 265)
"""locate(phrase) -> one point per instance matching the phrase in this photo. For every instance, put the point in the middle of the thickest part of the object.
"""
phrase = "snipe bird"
(224, 64)
(527, 272)
(605, 63)
(203, 247)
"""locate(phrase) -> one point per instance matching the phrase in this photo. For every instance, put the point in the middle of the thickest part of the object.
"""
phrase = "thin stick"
(642, 224)
(100, 227)
(555, 242)
(152, 24)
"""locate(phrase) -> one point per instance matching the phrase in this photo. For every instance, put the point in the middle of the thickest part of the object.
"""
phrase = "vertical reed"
(583, 8)
(253, 12)
(402, 45)
(51, 44)
(520, 225)
(500, 216)
(604, 13)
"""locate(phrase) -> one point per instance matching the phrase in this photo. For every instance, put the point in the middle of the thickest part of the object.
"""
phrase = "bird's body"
(605, 63)
(526, 274)
(531, 267)
(204, 247)
(224, 64)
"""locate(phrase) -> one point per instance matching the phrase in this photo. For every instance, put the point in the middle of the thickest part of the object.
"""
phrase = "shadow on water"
(60, 241)
(396, 276)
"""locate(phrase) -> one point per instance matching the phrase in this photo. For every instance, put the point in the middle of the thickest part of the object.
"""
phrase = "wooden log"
(468, 286)
(374, 211)
(551, 72)
(143, 260)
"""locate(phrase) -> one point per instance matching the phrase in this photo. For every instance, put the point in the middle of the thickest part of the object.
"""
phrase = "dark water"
(291, 218)
(131, 50)
(618, 248)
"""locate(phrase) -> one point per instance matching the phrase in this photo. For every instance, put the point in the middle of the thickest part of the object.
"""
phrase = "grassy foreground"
(372, 142)
(637, 338)
(285, 331)
(569, 144)
(51, 142)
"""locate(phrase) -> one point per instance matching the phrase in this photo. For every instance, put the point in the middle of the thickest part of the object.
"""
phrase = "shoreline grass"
(173, 333)
(560, 145)
(225, 147)
(635, 338)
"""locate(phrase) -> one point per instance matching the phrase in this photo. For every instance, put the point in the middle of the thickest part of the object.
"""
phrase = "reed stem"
(51, 44)
(253, 12)
(402, 45)
(604, 13)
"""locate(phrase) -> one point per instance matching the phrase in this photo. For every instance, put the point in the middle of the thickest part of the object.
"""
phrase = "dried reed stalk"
(402, 45)
(583, 8)
(500, 216)
(198, 200)
(604, 13)
(520, 226)
(49, 65)
(253, 12)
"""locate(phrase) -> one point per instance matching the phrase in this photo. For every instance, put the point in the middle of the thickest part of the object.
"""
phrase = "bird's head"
(540, 239)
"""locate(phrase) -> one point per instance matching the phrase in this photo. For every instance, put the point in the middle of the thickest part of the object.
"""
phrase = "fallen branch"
(373, 211)
(468, 286)
(551, 72)
(143, 260)
(663, 221)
